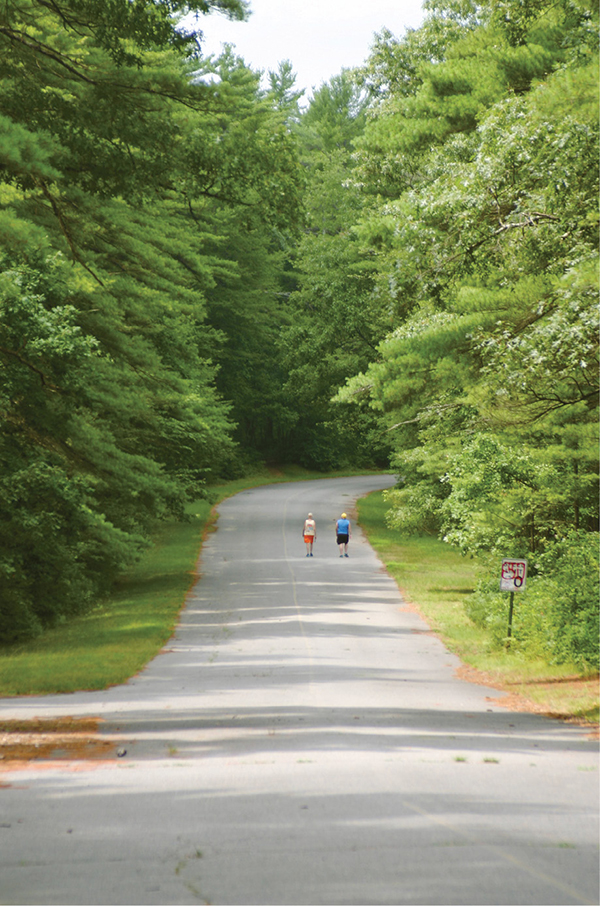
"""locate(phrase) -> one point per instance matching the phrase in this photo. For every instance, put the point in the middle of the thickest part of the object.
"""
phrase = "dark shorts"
(342, 539)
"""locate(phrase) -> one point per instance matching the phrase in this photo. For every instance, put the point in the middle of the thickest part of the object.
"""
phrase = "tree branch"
(44, 380)
(65, 231)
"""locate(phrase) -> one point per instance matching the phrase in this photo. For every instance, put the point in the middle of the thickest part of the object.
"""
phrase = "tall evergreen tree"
(112, 143)
(485, 237)
(337, 321)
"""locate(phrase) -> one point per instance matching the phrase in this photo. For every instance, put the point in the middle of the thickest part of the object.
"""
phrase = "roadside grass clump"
(551, 659)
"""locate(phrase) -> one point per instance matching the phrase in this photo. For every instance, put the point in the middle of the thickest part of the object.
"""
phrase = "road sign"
(514, 575)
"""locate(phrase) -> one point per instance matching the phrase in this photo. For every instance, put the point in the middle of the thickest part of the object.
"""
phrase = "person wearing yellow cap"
(310, 534)
(343, 533)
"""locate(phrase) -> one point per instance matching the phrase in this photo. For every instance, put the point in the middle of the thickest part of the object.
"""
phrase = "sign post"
(513, 578)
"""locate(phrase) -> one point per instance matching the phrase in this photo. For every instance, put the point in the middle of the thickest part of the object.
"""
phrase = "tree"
(479, 161)
(336, 322)
(283, 93)
(488, 257)
(111, 415)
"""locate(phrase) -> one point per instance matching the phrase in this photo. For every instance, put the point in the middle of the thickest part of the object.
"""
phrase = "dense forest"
(201, 270)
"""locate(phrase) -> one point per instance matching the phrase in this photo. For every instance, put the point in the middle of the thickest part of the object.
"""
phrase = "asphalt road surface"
(302, 740)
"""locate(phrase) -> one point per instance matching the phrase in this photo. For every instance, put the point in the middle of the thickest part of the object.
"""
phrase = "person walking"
(343, 533)
(310, 534)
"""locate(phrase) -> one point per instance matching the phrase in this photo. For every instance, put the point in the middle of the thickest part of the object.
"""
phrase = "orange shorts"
(308, 539)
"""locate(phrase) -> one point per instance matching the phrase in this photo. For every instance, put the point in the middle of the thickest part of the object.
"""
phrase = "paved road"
(303, 740)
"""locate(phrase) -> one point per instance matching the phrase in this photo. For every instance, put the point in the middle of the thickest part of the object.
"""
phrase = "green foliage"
(335, 321)
(557, 616)
(572, 565)
(76, 491)
(335, 117)
(479, 163)
(126, 172)
(193, 267)
(489, 387)
(283, 93)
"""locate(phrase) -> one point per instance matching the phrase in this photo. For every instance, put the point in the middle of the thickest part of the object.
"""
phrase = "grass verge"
(113, 641)
(435, 580)
(121, 634)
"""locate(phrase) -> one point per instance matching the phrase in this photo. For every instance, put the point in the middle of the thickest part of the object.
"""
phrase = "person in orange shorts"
(310, 534)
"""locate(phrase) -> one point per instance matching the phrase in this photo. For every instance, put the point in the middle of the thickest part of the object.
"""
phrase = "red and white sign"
(514, 575)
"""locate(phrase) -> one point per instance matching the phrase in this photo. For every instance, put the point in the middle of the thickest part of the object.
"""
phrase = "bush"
(572, 565)
(487, 607)
(56, 553)
(557, 616)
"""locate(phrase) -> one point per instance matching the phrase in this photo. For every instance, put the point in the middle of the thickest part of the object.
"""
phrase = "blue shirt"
(343, 526)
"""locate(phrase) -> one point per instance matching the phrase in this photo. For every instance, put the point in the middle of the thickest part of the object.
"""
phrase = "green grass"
(113, 641)
(432, 576)
(118, 637)
(436, 579)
